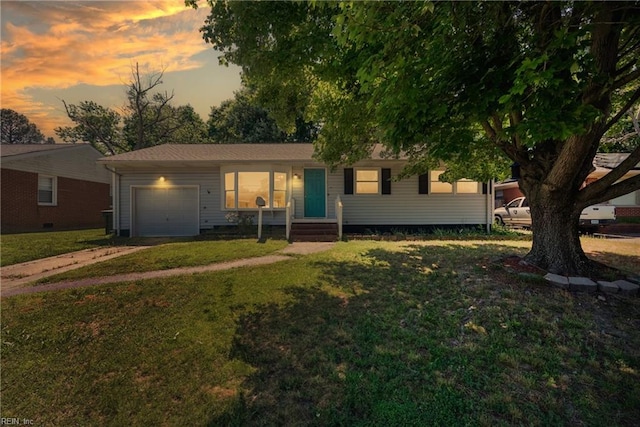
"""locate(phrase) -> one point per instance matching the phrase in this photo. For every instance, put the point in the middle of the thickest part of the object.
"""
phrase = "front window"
(466, 186)
(250, 186)
(462, 186)
(230, 190)
(46, 190)
(436, 185)
(367, 181)
(242, 188)
(279, 189)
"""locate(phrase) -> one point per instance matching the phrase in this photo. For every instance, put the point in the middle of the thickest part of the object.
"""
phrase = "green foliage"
(147, 119)
(164, 123)
(15, 128)
(95, 124)
(424, 78)
(242, 120)
(471, 85)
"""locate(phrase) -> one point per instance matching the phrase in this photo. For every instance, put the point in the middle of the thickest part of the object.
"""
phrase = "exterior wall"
(77, 162)
(404, 206)
(209, 181)
(79, 203)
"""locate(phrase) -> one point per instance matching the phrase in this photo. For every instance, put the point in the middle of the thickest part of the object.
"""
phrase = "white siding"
(211, 213)
(76, 162)
(404, 206)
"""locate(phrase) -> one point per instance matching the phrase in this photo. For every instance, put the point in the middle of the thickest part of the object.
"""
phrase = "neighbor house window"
(367, 181)
(436, 185)
(242, 188)
(46, 190)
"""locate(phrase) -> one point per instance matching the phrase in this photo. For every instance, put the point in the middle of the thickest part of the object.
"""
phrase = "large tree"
(538, 82)
(243, 120)
(15, 128)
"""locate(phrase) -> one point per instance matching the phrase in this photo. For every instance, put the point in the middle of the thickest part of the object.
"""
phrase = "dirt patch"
(516, 264)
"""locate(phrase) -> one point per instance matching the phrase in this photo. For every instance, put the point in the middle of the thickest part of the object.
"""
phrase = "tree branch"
(634, 97)
(626, 79)
(620, 189)
(601, 189)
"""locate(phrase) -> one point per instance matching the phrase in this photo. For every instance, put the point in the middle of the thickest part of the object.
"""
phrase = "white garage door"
(169, 211)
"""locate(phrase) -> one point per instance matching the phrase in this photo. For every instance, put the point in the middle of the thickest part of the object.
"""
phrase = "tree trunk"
(556, 238)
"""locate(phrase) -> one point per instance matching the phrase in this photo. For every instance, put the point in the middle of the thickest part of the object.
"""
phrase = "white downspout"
(489, 205)
(115, 179)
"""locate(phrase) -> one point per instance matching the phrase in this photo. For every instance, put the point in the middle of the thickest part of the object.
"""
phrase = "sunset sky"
(84, 50)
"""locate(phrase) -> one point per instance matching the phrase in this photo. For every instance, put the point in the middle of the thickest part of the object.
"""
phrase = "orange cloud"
(57, 45)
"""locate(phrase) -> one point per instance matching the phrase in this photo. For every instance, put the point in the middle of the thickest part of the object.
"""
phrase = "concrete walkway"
(15, 278)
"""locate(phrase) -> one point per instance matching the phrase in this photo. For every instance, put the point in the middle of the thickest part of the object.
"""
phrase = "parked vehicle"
(517, 213)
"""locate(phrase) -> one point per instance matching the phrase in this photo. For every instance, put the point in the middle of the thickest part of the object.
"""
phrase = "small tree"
(95, 124)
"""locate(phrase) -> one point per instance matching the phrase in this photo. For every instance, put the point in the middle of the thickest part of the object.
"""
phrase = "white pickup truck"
(517, 213)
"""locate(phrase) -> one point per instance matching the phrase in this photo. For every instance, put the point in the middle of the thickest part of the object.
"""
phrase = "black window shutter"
(386, 181)
(485, 188)
(423, 183)
(348, 180)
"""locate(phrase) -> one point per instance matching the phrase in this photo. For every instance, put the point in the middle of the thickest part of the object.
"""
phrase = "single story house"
(52, 186)
(177, 190)
(626, 206)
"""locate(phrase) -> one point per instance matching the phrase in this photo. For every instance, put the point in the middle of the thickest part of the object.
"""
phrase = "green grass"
(173, 255)
(369, 333)
(23, 247)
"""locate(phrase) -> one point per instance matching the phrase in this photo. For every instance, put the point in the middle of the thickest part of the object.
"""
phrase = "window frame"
(235, 171)
(432, 181)
(454, 185)
(54, 190)
(356, 181)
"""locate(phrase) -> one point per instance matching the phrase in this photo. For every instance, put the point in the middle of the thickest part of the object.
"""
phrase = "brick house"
(626, 206)
(52, 186)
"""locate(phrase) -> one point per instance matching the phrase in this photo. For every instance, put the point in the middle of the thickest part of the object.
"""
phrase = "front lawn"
(23, 247)
(369, 333)
(173, 255)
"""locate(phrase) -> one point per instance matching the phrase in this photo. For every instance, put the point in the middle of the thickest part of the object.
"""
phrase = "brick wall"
(622, 211)
(79, 203)
(511, 193)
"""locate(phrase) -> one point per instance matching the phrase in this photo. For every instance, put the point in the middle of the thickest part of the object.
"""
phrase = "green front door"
(314, 193)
